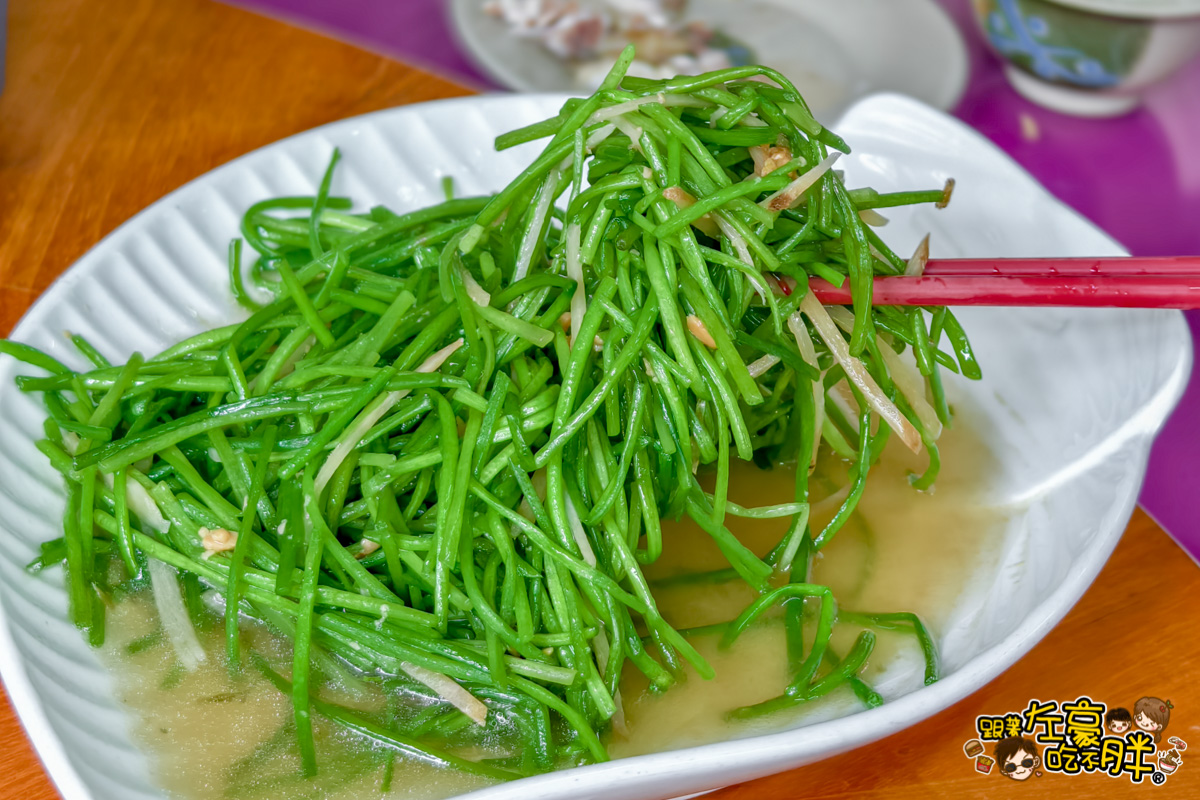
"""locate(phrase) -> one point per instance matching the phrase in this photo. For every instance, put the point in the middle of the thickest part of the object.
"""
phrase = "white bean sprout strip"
(872, 217)
(916, 265)
(477, 293)
(879, 256)
(600, 645)
(789, 196)
(533, 236)
(139, 500)
(367, 419)
(593, 139)
(449, 690)
(857, 373)
(289, 363)
(171, 611)
(597, 136)
(738, 241)
(842, 398)
(575, 273)
(629, 129)
(759, 367)
(907, 378)
(579, 535)
(633, 105)
(809, 354)
(173, 615)
(142, 504)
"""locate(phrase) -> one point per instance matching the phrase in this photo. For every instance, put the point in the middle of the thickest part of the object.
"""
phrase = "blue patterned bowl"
(1090, 57)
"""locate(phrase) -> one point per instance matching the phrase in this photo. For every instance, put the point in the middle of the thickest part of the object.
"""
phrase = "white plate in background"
(836, 51)
(1071, 399)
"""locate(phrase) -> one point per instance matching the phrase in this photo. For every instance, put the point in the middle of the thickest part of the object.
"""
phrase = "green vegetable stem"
(438, 450)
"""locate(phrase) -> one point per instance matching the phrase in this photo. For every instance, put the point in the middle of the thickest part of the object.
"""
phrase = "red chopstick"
(1112, 282)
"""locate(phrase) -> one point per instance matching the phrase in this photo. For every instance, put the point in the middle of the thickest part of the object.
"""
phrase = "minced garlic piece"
(217, 540)
(683, 199)
(768, 158)
(697, 329)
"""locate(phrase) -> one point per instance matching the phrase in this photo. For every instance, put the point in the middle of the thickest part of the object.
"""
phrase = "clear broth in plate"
(903, 550)
(214, 737)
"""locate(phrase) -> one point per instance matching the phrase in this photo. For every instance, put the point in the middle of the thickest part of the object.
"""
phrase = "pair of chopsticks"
(1110, 282)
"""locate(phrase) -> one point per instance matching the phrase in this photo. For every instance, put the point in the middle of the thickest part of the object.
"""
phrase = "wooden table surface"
(110, 105)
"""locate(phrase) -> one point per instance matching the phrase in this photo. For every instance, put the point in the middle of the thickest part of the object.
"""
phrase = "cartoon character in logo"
(1017, 757)
(1119, 721)
(1152, 715)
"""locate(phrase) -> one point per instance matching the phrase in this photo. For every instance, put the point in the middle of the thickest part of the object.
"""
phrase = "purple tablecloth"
(1137, 177)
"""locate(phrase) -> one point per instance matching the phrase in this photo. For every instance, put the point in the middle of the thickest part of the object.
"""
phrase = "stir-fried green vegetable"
(441, 453)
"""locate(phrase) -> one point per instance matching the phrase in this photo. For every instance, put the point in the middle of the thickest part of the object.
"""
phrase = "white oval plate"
(1071, 401)
(836, 51)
